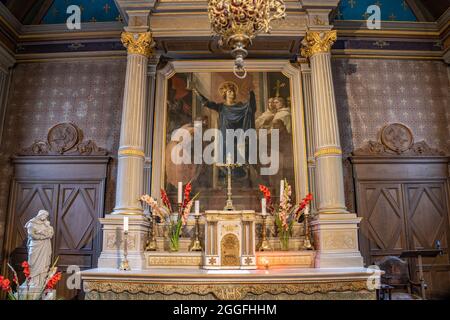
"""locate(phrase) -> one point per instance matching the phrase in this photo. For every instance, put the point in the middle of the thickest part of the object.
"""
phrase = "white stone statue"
(39, 245)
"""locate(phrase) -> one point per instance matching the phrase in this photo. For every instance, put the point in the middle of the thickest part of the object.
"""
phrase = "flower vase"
(284, 240)
(174, 233)
(174, 244)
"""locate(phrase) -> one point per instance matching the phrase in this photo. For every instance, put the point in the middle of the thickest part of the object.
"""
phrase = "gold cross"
(352, 3)
(119, 18)
(392, 17)
(277, 88)
(93, 19)
(365, 16)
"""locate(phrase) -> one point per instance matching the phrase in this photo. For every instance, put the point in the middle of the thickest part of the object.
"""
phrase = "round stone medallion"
(397, 137)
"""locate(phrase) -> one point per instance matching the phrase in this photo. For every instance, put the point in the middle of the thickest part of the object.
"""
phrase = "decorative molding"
(331, 151)
(138, 43)
(318, 42)
(64, 139)
(397, 140)
(224, 291)
(131, 152)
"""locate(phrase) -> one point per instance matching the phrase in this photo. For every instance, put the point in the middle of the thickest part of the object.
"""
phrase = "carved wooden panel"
(404, 214)
(427, 216)
(383, 226)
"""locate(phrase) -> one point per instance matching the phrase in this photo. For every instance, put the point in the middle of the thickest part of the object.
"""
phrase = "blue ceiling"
(91, 11)
(391, 10)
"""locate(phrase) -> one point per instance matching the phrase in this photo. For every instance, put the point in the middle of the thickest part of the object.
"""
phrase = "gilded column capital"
(318, 42)
(138, 43)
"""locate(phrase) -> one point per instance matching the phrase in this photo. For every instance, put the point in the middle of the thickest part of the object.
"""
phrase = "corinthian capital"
(138, 43)
(317, 42)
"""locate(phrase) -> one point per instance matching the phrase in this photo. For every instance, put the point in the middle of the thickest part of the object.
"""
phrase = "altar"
(294, 240)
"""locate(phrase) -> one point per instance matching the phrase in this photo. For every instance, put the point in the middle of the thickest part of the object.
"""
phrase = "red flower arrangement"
(268, 196)
(165, 212)
(26, 269)
(51, 280)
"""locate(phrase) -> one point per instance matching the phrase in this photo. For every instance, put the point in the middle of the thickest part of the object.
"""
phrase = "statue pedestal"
(34, 293)
(229, 240)
(112, 252)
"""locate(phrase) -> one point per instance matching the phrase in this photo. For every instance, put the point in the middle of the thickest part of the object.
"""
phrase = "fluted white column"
(334, 228)
(309, 119)
(328, 154)
(130, 183)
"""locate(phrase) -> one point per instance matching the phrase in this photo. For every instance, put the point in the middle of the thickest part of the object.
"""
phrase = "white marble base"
(112, 252)
(336, 241)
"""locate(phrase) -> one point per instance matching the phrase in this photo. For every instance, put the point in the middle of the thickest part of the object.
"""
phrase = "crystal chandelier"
(237, 22)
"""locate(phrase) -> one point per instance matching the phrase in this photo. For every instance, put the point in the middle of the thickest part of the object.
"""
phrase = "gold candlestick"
(196, 245)
(307, 242)
(124, 265)
(265, 244)
(151, 243)
(229, 204)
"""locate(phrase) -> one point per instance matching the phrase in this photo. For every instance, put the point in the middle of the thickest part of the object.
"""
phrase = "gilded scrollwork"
(318, 42)
(228, 291)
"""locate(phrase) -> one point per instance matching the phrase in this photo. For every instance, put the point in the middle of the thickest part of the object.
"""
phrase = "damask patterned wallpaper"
(372, 93)
(87, 93)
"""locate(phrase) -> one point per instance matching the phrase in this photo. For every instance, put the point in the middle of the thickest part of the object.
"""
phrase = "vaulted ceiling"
(54, 11)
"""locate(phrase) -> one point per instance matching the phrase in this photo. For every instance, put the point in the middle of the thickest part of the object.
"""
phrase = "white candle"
(125, 224)
(229, 158)
(197, 207)
(306, 210)
(263, 206)
(281, 189)
(180, 192)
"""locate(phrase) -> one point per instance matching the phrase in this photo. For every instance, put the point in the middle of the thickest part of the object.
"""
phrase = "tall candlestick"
(197, 207)
(180, 192)
(125, 224)
(263, 206)
(281, 189)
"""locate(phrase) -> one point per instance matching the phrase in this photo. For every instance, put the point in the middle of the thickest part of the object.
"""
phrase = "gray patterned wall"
(371, 93)
(87, 93)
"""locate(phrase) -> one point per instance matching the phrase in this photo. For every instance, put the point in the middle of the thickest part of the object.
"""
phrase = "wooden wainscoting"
(71, 189)
(404, 205)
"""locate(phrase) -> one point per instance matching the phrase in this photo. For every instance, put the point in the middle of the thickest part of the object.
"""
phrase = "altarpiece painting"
(262, 102)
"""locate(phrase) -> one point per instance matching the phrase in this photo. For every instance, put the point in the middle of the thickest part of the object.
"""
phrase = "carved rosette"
(318, 42)
(64, 139)
(138, 43)
(397, 140)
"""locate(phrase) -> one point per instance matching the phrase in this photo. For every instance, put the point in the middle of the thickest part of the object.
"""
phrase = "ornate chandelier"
(237, 22)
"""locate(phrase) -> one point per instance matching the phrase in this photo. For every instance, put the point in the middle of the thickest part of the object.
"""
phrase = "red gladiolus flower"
(26, 269)
(6, 285)
(165, 199)
(53, 281)
(187, 194)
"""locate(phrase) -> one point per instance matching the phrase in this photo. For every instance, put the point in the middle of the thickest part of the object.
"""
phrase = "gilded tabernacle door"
(205, 116)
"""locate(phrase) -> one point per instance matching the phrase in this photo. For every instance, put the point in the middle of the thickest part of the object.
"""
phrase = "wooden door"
(77, 238)
(383, 224)
(427, 219)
